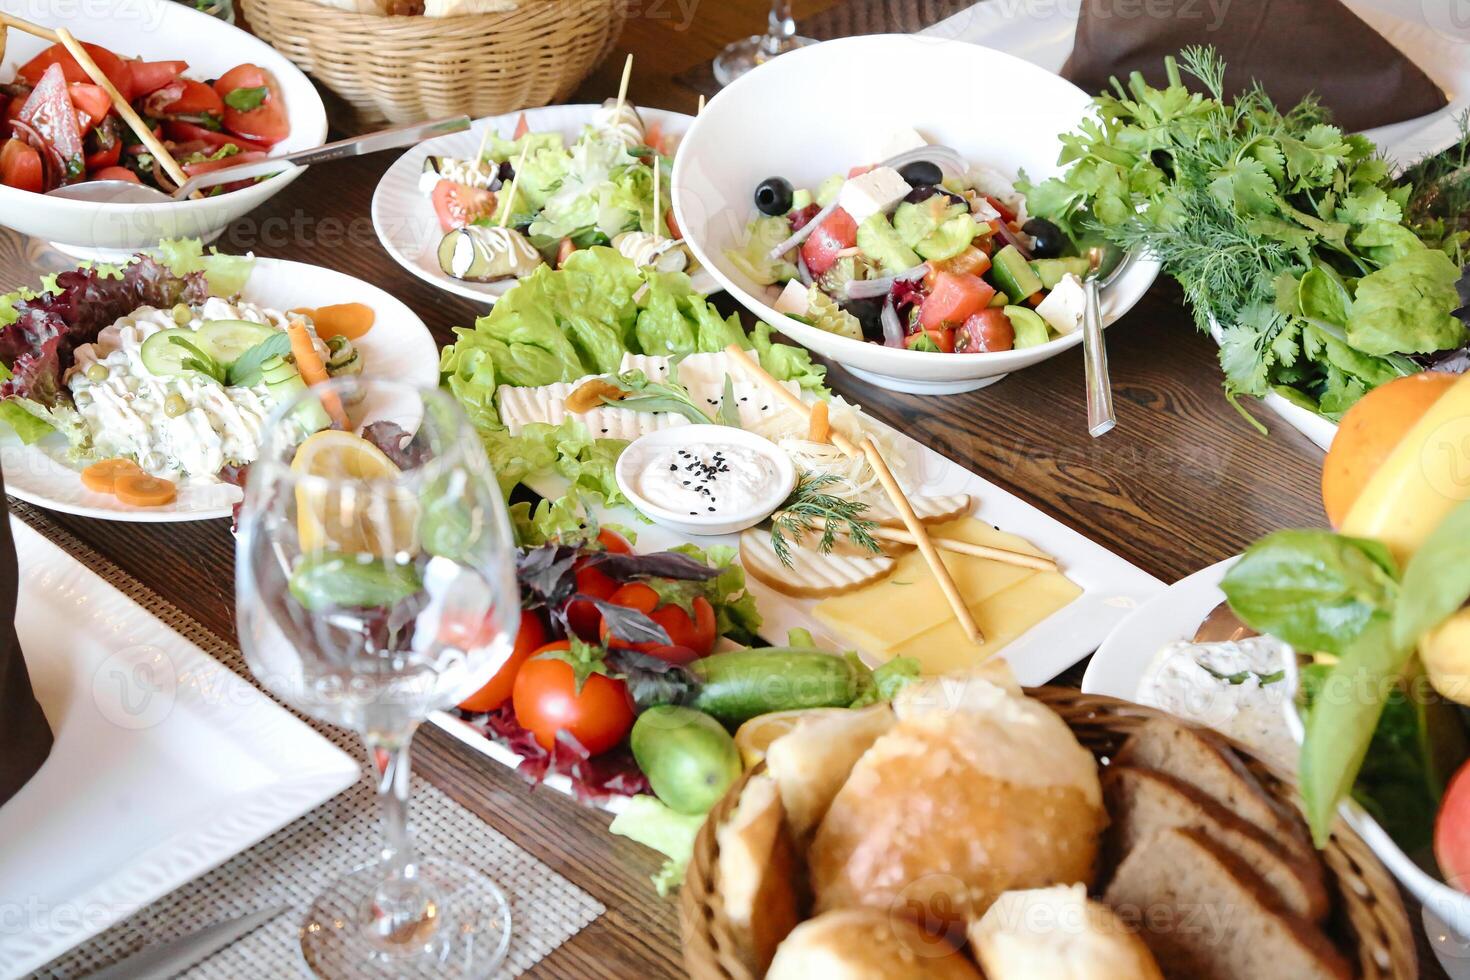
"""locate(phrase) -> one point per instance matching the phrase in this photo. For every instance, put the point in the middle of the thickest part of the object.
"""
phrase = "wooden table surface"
(1182, 482)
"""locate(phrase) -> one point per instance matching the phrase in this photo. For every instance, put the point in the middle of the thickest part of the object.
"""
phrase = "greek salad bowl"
(155, 31)
(973, 116)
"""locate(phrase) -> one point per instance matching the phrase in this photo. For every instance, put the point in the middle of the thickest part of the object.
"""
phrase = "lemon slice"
(757, 734)
(378, 519)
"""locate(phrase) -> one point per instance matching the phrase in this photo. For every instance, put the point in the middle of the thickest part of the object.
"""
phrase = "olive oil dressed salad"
(924, 251)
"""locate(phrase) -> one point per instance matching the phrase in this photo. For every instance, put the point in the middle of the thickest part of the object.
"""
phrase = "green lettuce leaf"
(652, 823)
(785, 362)
(227, 274)
(1407, 306)
(753, 258)
(824, 313)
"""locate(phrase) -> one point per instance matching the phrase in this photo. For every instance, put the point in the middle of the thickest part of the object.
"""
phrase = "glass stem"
(400, 915)
(390, 758)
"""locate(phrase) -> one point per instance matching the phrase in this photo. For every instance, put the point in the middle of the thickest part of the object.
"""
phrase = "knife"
(165, 960)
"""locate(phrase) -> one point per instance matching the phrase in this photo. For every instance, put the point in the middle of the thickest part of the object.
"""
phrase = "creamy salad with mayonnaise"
(184, 427)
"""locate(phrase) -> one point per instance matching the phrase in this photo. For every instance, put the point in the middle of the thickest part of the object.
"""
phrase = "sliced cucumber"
(284, 383)
(1030, 328)
(226, 340)
(163, 357)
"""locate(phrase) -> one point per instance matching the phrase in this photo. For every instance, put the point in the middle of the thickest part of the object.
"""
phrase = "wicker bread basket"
(403, 69)
(1369, 922)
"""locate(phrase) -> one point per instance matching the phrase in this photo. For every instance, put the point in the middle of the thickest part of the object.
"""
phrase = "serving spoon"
(127, 192)
(1104, 264)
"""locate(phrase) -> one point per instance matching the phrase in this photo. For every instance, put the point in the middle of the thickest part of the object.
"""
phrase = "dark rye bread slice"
(1141, 802)
(1204, 761)
(1206, 916)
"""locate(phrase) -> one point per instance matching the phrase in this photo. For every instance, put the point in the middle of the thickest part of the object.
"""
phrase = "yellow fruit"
(377, 519)
(1425, 477)
(757, 734)
(1445, 651)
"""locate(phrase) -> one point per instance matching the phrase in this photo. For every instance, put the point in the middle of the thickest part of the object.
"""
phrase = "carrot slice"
(142, 490)
(350, 320)
(819, 429)
(313, 371)
(102, 477)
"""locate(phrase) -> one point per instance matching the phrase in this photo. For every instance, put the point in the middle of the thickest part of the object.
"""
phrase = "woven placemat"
(293, 865)
(848, 18)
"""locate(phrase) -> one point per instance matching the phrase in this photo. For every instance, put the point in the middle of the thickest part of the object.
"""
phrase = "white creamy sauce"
(624, 125)
(1234, 686)
(471, 173)
(645, 249)
(703, 479)
(505, 251)
(125, 412)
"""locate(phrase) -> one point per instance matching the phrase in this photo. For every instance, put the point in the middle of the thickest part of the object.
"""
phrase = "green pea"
(174, 406)
(97, 373)
(182, 314)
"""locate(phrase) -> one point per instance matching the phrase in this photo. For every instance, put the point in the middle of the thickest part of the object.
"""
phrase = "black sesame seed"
(712, 510)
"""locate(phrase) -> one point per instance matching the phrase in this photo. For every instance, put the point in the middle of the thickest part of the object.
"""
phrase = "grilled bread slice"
(939, 509)
(1142, 802)
(1206, 916)
(811, 575)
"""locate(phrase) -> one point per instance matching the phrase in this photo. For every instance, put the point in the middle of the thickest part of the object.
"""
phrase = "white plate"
(747, 133)
(156, 30)
(166, 763)
(1112, 587)
(404, 219)
(398, 346)
(1431, 35)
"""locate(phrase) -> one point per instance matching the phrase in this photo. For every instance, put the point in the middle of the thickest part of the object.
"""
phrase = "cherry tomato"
(523, 126)
(836, 232)
(988, 330)
(497, 689)
(116, 173)
(91, 103)
(103, 146)
(197, 99)
(112, 66)
(547, 701)
(1006, 213)
(458, 205)
(943, 339)
(20, 166)
(582, 616)
(267, 122)
(186, 132)
(150, 76)
(673, 654)
(953, 299)
(696, 633)
(858, 171)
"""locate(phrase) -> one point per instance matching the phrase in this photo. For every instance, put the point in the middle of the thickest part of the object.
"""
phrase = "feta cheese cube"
(1063, 307)
(901, 141)
(793, 299)
(872, 193)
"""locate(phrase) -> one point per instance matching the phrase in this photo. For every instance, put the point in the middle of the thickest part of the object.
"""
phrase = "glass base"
(463, 933)
(741, 56)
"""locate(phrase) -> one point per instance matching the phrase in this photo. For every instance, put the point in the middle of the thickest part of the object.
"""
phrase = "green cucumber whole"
(738, 685)
(688, 757)
(331, 580)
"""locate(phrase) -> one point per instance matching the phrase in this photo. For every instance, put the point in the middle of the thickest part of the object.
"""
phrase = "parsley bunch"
(1282, 230)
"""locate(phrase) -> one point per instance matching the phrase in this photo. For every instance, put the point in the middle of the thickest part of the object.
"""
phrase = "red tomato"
(197, 99)
(116, 173)
(233, 160)
(49, 112)
(858, 171)
(697, 633)
(836, 232)
(972, 262)
(673, 225)
(103, 145)
(564, 250)
(458, 205)
(582, 616)
(653, 137)
(943, 339)
(150, 76)
(186, 132)
(1007, 214)
(91, 102)
(20, 166)
(267, 123)
(112, 66)
(988, 330)
(546, 701)
(674, 654)
(1452, 831)
(522, 127)
(497, 689)
(954, 297)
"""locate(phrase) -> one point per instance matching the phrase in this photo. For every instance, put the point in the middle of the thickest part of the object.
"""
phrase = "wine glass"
(371, 589)
(780, 37)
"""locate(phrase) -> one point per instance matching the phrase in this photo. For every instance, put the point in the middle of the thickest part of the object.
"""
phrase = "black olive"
(869, 313)
(921, 172)
(925, 191)
(506, 172)
(773, 196)
(1049, 238)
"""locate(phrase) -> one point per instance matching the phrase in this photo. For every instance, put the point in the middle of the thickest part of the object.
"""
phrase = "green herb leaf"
(246, 371)
(808, 508)
(199, 361)
(246, 99)
(1436, 580)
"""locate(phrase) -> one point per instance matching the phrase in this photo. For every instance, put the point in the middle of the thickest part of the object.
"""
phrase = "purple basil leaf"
(629, 625)
(652, 680)
(594, 779)
(545, 574)
(396, 443)
(659, 564)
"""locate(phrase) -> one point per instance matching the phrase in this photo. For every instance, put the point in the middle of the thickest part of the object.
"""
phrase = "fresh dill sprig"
(799, 516)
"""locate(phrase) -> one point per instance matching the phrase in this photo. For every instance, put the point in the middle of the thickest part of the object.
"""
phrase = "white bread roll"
(811, 762)
(865, 944)
(758, 873)
(965, 798)
(1060, 934)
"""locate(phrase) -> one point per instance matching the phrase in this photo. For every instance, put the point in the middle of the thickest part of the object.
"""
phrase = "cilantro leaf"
(247, 99)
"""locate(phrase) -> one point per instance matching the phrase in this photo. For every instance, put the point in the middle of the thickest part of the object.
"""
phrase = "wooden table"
(1182, 482)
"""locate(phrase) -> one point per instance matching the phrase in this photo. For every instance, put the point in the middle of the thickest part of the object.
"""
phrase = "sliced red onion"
(892, 329)
(872, 288)
(1011, 239)
(947, 158)
(802, 272)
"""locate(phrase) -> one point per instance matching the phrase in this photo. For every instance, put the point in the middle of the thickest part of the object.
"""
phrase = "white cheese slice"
(520, 407)
(1063, 307)
(704, 376)
(901, 141)
(793, 299)
(872, 193)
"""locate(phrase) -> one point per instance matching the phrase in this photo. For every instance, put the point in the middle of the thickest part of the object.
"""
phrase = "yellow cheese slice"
(1002, 618)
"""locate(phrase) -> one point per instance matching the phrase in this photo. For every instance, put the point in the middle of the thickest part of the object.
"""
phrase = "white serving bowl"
(155, 30)
(823, 109)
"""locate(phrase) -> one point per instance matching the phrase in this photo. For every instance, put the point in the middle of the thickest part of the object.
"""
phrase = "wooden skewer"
(623, 88)
(1018, 558)
(144, 133)
(890, 486)
(45, 33)
(514, 183)
(699, 108)
(484, 141)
